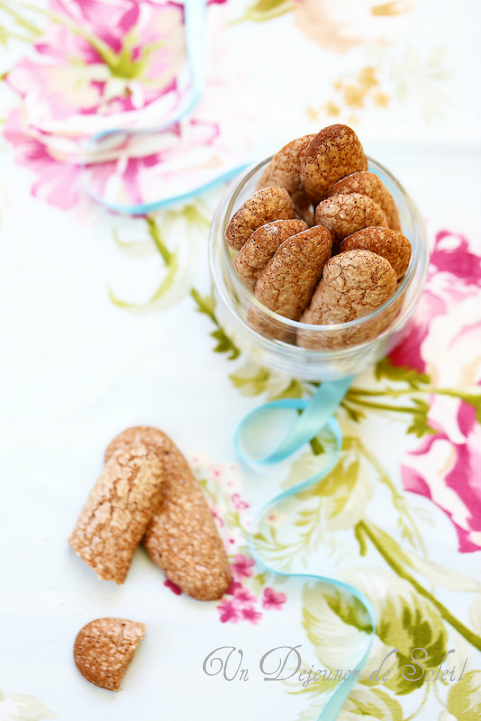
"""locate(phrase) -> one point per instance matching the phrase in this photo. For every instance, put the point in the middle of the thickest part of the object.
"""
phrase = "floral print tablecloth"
(109, 321)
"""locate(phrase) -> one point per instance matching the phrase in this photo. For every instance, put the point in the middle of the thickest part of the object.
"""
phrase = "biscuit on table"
(104, 648)
(118, 510)
(181, 537)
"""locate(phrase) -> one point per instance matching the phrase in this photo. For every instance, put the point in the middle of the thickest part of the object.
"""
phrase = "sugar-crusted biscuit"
(391, 244)
(118, 511)
(369, 184)
(288, 281)
(261, 246)
(334, 153)
(266, 205)
(284, 171)
(344, 214)
(104, 648)
(354, 283)
(181, 538)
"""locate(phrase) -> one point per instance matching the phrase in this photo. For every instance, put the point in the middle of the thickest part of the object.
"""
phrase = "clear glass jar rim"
(332, 328)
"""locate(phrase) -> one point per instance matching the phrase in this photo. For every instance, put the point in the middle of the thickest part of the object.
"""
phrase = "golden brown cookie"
(261, 246)
(354, 283)
(181, 538)
(118, 511)
(288, 281)
(263, 207)
(391, 244)
(104, 648)
(369, 184)
(283, 171)
(345, 214)
(334, 153)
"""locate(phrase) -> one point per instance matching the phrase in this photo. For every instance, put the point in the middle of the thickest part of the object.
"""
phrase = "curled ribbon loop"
(113, 144)
(316, 414)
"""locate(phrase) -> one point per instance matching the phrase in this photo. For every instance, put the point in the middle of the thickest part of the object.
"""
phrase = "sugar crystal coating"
(391, 244)
(344, 214)
(354, 283)
(181, 538)
(261, 246)
(334, 153)
(104, 648)
(288, 281)
(369, 184)
(118, 510)
(263, 207)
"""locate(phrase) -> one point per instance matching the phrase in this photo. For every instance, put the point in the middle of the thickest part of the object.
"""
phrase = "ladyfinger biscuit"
(283, 171)
(104, 648)
(344, 214)
(261, 246)
(118, 511)
(288, 281)
(263, 207)
(334, 153)
(391, 244)
(181, 538)
(369, 184)
(353, 284)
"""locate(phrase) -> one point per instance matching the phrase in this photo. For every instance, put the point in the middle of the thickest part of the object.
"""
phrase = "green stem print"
(379, 540)
(262, 10)
(176, 280)
(206, 304)
(21, 20)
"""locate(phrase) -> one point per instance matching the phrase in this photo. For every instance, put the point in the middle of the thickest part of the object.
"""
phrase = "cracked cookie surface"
(391, 244)
(354, 283)
(288, 281)
(118, 511)
(181, 538)
(266, 205)
(369, 184)
(334, 153)
(284, 171)
(260, 247)
(104, 648)
(345, 214)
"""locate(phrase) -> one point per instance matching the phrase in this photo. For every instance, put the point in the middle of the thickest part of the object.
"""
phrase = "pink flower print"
(173, 587)
(447, 473)
(233, 586)
(243, 596)
(250, 614)
(218, 519)
(273, 600)
(242, 566)
(451, 254)
(228, 611)
(238, 503)
(115, 64)
(454, 275)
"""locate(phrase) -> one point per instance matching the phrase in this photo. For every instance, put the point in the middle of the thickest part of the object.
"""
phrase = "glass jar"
(273, 345)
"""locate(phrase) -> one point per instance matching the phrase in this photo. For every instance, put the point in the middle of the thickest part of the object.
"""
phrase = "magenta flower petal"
(273, 600)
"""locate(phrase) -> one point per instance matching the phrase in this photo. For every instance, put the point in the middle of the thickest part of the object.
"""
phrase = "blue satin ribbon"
(195, 33)
(317, 413)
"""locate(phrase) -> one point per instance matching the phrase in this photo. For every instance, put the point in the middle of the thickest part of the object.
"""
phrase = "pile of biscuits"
(146, 494)
(320, 242)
